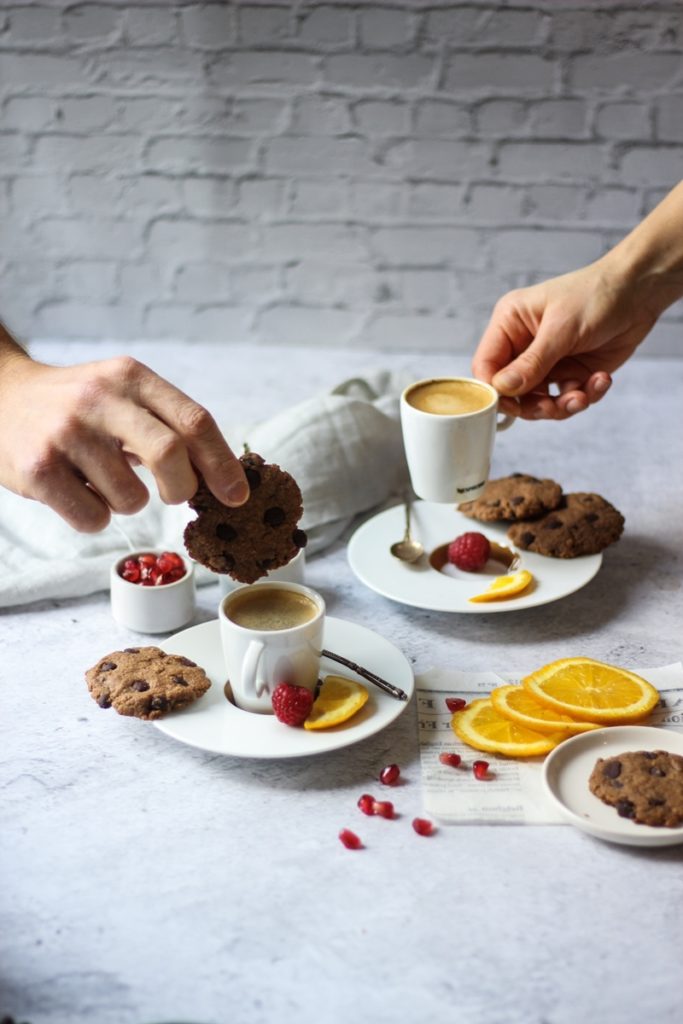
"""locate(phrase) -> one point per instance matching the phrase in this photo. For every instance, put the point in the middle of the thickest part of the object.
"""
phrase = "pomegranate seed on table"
(480, 769)
(452, 760)
(455, 703)
(389, 775)
(423, 826)
(384, 808)
(350, 839)
(366, 802)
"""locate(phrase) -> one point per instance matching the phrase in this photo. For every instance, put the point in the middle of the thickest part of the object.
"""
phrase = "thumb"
(533, 366)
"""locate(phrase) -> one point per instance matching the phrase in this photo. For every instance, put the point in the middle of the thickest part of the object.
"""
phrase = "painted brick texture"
(327, 173)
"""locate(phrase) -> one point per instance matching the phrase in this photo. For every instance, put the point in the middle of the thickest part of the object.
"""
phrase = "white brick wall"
(323, 172)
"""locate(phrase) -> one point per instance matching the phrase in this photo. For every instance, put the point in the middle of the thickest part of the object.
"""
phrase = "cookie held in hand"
(145, 682)
(247, 542)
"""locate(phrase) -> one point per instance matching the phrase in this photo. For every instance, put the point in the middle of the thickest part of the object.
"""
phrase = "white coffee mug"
(449, 426)
(271, 632)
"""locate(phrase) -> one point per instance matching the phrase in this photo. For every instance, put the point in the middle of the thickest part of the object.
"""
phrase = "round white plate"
(422, 586)
(213, 723)
(567, 769)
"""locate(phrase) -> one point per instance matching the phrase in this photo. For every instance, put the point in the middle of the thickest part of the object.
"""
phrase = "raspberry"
(292, 704)
(469, 551)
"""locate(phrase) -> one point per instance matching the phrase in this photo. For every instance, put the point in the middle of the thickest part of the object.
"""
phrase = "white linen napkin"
(343, 448)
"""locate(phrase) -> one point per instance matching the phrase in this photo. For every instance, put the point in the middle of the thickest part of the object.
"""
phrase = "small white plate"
(422, 586)
(567, 769)
(213, 723)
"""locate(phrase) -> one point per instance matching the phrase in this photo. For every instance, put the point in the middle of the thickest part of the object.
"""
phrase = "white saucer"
(216, 725)
(567, 769)
(422, 586)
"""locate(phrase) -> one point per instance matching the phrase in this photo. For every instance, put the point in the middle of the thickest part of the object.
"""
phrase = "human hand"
(69, 436)
(571, 332)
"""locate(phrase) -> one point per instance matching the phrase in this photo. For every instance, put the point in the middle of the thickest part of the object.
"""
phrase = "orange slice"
(505, 586)
(338, 700)
(482, 727)
(517, 704)
(592, 691)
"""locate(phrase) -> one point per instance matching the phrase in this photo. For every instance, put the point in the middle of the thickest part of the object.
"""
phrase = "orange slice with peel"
(479, 725)
(505, 586)
(517, 704)
(339, 698)
(592, 691)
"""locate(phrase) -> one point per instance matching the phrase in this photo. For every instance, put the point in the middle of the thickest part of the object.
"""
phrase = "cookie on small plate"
(518, 496)
(583, 524)
(145, 682)
(643, 785)
(248, 541)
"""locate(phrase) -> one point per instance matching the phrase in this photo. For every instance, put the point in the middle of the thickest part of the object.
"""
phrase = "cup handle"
(250, 685)
(505, 422)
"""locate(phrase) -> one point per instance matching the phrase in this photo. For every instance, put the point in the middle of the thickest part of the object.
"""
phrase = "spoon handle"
(389, 688)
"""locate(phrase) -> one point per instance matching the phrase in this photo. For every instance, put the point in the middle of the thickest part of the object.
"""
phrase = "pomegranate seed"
(131, 574)
(366, 802)
(389, 775)
(384, 808)
(452, 760)
(423, 826)
(455, 703)
(480, 769)
(350, 839)
(147, 560)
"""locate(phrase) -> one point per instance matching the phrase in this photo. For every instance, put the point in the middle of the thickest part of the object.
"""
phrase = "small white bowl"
(293, 572)
(159, 609)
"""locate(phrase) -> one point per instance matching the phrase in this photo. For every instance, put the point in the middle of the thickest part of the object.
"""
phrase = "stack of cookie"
(544, 519)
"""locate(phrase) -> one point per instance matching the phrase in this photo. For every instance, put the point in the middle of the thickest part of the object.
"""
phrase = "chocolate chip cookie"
(145, 682)
(249, 541)
(514, 497)
(645, 786)
(582, 525)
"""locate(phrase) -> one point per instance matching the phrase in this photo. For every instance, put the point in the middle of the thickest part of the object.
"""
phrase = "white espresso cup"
(449, 425)
(271, 633)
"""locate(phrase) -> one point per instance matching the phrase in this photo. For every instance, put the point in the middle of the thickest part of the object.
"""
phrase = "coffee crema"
(449, 397)
(270, 609)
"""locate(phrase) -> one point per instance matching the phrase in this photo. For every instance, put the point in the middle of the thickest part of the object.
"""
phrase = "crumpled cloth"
(343, 448)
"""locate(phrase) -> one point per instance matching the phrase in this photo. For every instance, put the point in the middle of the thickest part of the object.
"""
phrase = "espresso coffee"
(270, 609)
(449, 397)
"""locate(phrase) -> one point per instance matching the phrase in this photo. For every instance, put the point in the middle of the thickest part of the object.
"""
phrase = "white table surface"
(145, 881)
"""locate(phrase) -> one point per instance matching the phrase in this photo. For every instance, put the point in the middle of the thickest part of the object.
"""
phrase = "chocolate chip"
(656, 801)
(611, 769)
(517, 475)
(158, 703)
(516, 499)
(107, 666)
(104, 701)
(625, 809)
(253, 477)
(179, 681)
(299, 538)
(527, 538)
(274, 516)
(649, 754)
(494, 503)
(591, 517)
(266, 563)
(227, 559)
(131, 650)
(182, 660)
(553, 524)
(141, 685)
(226, 532)
(659, 772)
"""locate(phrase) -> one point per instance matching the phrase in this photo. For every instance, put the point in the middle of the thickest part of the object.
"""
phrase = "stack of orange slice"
(561, 699)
